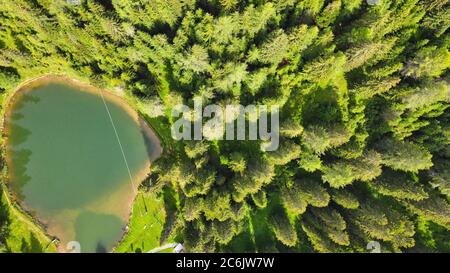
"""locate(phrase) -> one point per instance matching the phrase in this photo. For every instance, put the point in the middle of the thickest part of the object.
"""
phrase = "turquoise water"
(66, 165)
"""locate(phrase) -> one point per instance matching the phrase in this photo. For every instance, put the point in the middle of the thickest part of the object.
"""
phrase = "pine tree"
(260, 199)
(224, 231)
(292, 200)
(405, 156)
(423, 95)
(287, 152)
(329, 13)
(320, 242)
(438, 21)
(324, 69)
(365, 168)
(434, 208)
(319, 139)
(192, 208)
(312, 192)
(345, 198)
(283, 229)
(237, 163)
(291, 129)
(310, 161)
(363, 95)
(383, 223)
(399, 185)
(440, 176)
(332, 223)
(429, 62)
(195, 149)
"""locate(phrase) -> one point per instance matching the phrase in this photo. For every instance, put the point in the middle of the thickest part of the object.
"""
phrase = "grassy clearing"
(23, 234)
(145, 226)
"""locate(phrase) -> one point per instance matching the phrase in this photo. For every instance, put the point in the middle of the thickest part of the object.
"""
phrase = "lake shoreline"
(29, 85)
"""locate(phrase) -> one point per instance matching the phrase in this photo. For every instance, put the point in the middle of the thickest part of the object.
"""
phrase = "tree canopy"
(363, 92)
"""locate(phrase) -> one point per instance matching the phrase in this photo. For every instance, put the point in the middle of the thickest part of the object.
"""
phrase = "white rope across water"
(120, 144)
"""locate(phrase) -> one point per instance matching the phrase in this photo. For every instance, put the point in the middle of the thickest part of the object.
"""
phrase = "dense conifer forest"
(363, 91)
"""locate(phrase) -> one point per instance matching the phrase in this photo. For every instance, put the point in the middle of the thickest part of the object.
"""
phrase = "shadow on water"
(19, 171)
(97, 232)
(151, 142)
(30, 98)
(18, 135)
(100, 248)
(19, 104)
(20, 157)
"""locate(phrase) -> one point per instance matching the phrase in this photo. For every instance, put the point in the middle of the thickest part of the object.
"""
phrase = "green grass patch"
(23, 235)
(146, 224)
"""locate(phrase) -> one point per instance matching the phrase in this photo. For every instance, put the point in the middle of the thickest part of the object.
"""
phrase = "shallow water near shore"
(76, 155)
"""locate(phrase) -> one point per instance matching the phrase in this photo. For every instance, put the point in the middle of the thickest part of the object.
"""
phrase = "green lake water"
(66, 165)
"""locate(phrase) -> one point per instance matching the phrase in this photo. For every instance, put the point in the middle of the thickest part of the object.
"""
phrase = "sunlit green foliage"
(363, 92)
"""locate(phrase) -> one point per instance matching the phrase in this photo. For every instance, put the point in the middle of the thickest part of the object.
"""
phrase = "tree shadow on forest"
(34, 246)
(4, 222)
(171, 214)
